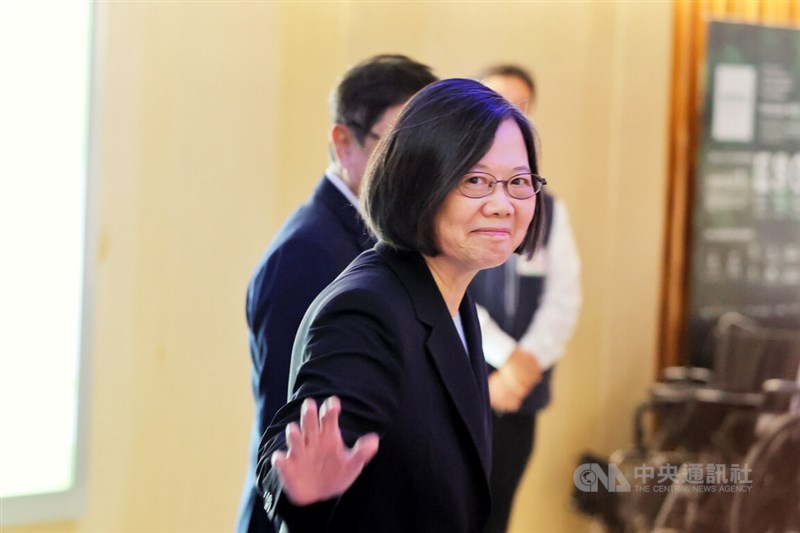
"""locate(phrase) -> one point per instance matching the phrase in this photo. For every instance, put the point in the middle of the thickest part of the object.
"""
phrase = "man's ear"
(342, 141)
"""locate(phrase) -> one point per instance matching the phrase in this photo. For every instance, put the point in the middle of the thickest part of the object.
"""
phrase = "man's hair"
(514, 71)
(369, 88)
(443, 131)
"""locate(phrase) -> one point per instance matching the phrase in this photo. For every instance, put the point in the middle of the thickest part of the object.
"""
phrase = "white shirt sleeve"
(555, 319)
(497, 344)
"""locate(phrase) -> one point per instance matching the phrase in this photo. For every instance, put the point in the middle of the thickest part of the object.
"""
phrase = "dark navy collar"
(327, 194)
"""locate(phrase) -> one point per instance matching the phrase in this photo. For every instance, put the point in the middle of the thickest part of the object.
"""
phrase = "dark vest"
(511, 301)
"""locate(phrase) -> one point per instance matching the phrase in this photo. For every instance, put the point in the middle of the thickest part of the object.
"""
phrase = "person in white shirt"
(528, 310)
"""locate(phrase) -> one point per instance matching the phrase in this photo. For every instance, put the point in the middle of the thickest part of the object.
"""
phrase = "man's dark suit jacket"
(380, 338)
(314, 245)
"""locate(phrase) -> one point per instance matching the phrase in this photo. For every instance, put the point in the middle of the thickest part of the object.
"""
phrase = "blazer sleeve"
(277, 299)
(352, 351)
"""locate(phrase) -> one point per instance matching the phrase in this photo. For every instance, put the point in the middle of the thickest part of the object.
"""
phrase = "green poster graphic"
(746, 224)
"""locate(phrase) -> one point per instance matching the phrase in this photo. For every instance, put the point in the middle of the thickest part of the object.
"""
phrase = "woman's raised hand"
(318, 466)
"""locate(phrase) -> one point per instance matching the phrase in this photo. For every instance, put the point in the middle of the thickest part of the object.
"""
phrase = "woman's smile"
(493, 233)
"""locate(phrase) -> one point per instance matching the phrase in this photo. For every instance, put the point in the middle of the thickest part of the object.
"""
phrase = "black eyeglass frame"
(537, 181)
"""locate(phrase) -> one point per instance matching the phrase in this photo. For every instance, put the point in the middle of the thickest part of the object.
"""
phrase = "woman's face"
(479, 233)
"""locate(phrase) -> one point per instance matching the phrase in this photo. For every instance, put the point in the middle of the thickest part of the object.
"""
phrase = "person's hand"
(317, 466)
(513, 381)
(522, 369)
(502, 397)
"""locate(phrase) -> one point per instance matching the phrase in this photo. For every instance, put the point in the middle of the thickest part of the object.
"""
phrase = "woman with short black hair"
(392, 347)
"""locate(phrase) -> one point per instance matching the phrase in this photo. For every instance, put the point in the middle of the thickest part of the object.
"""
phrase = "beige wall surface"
(211, 128)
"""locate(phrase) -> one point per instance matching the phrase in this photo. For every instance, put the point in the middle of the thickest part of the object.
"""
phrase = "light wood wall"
(212, 123)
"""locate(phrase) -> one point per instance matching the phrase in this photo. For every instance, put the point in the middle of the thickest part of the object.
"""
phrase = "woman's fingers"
(317, 464)
(309, 422)
(316, 427)
(365, 449)
(329, 419)
(294, 438)
(278, 461)
(359, 455)
(278, 457)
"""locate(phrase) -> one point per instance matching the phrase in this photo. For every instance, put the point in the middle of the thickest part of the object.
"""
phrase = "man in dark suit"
(318, 241)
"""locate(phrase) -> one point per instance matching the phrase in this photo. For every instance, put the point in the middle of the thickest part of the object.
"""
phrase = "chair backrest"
(747, 354)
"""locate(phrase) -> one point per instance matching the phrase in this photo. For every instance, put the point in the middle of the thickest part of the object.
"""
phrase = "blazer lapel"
(456, 371)
(463, 375)
(472, 331)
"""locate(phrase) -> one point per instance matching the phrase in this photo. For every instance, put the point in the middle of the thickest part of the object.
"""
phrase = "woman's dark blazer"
(381, 339)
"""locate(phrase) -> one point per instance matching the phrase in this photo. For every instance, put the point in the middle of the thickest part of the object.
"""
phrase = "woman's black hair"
(443, 131)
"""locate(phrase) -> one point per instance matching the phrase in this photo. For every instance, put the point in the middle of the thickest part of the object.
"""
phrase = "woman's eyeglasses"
(520, 186)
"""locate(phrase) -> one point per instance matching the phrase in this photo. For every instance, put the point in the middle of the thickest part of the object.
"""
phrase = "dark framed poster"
(745, 252)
